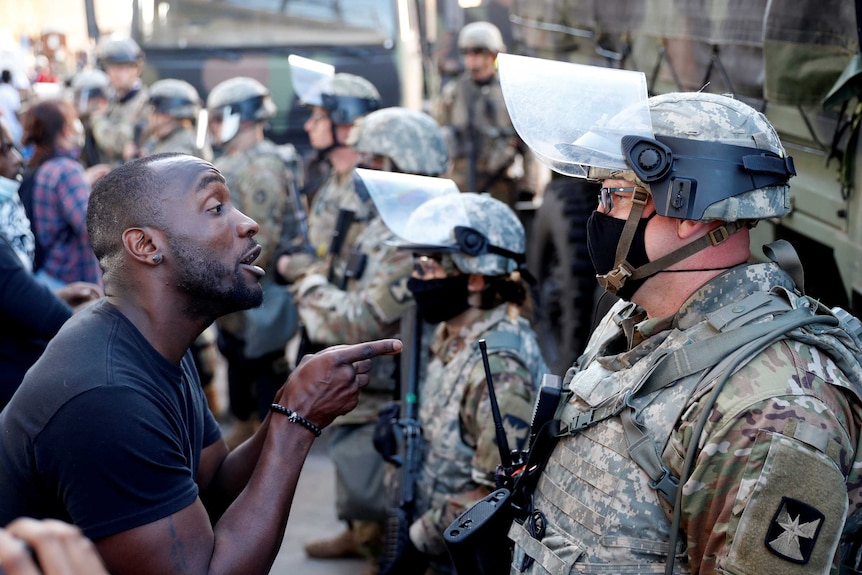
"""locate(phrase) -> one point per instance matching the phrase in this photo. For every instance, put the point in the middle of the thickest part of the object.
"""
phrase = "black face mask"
(603, 235)
(440, 299)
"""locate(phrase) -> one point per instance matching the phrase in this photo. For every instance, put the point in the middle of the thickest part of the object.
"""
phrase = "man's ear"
(476, 283)
(686, 229)
(143, 244)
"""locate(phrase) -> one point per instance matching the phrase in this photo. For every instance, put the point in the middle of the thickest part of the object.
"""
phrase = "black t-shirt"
(104, 432)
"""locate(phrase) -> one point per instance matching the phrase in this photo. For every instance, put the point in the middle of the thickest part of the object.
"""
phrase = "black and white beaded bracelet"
(295, 418)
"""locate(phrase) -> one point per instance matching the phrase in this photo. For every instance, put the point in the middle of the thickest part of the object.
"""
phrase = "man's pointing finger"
(368, 350)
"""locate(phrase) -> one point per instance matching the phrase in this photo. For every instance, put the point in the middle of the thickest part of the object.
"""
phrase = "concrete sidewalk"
(311, 517)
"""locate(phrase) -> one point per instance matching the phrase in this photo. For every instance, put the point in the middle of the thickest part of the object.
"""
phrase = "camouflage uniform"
(777, 459)
(337, 191)
(459, 446)
(504, 165)
(787, 408)
(115, 128)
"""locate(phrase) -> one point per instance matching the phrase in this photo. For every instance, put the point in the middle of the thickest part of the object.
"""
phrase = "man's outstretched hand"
(326, 384)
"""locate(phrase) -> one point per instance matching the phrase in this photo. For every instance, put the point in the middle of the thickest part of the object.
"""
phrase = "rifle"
(339, 234)
(396, 545)
(473, 539)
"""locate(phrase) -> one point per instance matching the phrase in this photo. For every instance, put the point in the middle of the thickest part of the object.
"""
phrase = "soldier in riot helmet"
(114, 126)
(468, 280)
(261, 185)
(487, 155)
(706, 428)
(336, 101)
(174, 107)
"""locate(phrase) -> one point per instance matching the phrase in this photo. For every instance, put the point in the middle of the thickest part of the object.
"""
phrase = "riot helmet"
(175, 98)
(119, 50)
(429, 215)
(89, 85)
(345, 96)
(411, 140)
(700, 156)
(240, 99)
(481, 35)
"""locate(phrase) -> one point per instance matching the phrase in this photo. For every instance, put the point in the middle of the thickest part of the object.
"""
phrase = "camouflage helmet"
(176, 98)
(412, 140)
(248, 96)
(492, 243)
(90, 80)
(481, 35)
(715, 118)
(119, 50)
(680, 120)
(347, 97)
(239, 99)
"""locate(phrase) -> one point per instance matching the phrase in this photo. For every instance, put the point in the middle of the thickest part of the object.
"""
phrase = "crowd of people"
(136, 248)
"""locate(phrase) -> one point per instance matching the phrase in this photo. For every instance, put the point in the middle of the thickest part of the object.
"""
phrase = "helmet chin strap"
(624, 271)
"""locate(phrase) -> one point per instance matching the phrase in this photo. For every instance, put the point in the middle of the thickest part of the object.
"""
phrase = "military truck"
(207, 41)
(784, 57)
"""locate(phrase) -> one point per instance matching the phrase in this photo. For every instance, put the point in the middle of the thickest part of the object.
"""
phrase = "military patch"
(793, 531)
(260, 196)
(517, 429)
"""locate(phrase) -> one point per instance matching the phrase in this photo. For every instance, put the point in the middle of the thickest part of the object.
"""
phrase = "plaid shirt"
(60, 196)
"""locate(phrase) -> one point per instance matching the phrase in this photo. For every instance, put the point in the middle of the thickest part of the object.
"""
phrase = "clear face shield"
(573, 117)
(589, 122)
(399, 199)
(309, 77)
(230, 120)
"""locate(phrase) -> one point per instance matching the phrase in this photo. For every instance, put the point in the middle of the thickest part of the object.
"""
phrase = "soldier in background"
(487, 155)
(89, 93)
(261, 186)
(174, 106)
(336, 103)
(367, 296)
(114, 125)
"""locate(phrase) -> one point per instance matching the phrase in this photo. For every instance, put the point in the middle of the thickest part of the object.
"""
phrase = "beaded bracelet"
(295, 418)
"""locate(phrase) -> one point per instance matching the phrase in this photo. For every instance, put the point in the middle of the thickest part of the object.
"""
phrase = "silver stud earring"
(157, 258)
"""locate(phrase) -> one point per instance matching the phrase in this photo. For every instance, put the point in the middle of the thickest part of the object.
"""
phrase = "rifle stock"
(396, 554)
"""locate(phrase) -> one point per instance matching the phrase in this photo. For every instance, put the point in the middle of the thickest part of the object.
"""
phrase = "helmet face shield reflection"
(572, 116)
(397, 196)
(309, 77)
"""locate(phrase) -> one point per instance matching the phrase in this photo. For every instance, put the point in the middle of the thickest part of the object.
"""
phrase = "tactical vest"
(603, 512)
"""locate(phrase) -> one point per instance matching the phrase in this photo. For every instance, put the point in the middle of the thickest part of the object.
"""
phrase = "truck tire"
(566, 286)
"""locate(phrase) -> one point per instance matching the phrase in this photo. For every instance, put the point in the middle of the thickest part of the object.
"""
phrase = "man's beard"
(202, 278)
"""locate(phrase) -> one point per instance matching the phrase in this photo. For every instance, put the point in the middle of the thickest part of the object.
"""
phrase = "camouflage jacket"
(778, 459)
(460, 453)
(115, 128)
(180, 141)
(464, 103)
(338, 191)
(369, 307)
(260, 187)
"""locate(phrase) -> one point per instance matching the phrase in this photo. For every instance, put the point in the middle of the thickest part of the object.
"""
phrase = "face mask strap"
(614, 279)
